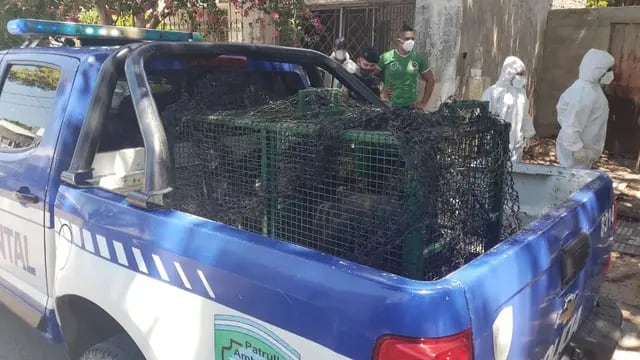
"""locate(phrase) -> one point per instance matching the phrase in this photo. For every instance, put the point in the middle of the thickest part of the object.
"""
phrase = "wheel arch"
(85, 324)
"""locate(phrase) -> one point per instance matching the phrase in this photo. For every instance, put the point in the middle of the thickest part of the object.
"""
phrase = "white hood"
(595, 63)
(511, 67)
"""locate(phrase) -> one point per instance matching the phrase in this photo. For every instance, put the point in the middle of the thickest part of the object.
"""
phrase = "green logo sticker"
(238, 338)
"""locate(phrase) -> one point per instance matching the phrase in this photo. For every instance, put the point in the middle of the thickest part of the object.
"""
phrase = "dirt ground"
(623, 280)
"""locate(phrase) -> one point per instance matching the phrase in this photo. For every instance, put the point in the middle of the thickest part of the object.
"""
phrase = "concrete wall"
(437, 25)
(495, 29)
(452, 32)
(570, 33)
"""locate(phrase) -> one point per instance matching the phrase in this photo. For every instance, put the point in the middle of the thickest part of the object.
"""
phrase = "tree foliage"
(139, 13)
(288, 16)
(41, 77)
(606, 3)
(10, 9)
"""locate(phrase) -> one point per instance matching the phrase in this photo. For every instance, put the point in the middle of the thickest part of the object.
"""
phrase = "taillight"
(455, 347)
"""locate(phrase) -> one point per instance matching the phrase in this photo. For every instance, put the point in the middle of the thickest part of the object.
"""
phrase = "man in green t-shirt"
(401, 67)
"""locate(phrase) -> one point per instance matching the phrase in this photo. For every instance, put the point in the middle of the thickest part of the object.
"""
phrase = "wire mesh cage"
(412, 193)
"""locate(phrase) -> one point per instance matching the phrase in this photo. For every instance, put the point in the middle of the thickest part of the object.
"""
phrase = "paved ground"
(628, 237)
(20, 342)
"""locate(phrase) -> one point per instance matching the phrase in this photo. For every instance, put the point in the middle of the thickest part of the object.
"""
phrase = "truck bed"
(541, 188)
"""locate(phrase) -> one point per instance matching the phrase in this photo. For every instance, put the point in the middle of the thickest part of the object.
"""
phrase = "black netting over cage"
(412, 193)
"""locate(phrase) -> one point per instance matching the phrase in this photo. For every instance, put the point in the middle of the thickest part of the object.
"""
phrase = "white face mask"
(519, 81)
(341, 55)
(607, 78)
(408, 45)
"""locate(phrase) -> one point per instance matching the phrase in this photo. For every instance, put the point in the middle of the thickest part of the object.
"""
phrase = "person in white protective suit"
(342, 57)
(508, 100)
(583, 112)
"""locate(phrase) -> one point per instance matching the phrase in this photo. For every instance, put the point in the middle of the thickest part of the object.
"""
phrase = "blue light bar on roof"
(24, 27)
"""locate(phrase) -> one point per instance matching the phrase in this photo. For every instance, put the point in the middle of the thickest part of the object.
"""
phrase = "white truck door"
(31, 105)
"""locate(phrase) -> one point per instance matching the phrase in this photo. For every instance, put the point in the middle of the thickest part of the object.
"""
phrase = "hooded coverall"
(583, 112)
(510, 103)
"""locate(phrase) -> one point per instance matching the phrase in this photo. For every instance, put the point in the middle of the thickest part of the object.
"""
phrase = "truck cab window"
(221, 85)
(26, 102)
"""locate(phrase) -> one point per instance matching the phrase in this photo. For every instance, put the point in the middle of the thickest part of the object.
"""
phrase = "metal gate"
(360, 26)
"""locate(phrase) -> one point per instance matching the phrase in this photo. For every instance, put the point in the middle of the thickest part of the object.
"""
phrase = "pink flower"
(275, 16)
(276, 33)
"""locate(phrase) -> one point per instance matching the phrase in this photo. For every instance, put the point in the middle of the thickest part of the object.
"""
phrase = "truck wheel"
(119, 347)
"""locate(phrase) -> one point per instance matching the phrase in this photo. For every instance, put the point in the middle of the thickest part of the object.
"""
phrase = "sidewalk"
(627, 239)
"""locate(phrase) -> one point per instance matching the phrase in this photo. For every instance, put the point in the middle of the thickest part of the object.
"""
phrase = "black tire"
(119, 347)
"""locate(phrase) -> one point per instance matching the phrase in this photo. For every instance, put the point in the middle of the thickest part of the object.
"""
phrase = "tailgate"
(530, 294)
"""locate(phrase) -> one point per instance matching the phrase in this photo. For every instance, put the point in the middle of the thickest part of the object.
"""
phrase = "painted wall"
(570, 33)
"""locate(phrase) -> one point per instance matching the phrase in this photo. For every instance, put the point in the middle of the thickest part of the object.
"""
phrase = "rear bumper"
(598, 336)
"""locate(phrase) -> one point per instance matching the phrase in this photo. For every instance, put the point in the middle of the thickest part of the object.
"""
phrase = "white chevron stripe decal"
(206, 284)
(120, 255)
(103, 249)
(183, 277)
(139, 260)
(160, 266)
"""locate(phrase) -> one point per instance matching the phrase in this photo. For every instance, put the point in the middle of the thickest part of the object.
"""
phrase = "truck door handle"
(24, 195)
(574, 258)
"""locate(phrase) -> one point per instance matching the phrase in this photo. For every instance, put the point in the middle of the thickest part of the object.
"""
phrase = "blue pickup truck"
(91, 257)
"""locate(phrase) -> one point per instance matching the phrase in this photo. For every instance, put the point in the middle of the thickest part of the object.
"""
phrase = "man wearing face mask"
(366, 71)
(339, 52)
(401, 67)
(508, 100)
(583, 112)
